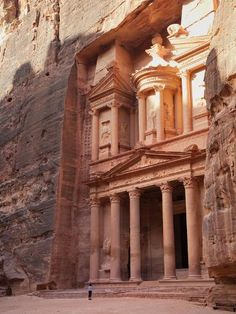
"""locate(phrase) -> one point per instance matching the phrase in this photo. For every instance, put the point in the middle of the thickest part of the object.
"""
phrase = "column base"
(192, 277)
(169, 278)
(135, 279)
(115, 280)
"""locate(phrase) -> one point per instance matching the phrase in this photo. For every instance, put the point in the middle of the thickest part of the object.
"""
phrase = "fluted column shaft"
(94, 239)
(135, 249)
(186, 101)
(193, 234)
(160, 125)
(141, 117)
(115, 237)
(114, 129)
(95, 134)
(168, 232)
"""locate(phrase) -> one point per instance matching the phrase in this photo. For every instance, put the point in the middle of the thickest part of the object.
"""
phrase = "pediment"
(144, 159)
(111, 83)
(182, 45)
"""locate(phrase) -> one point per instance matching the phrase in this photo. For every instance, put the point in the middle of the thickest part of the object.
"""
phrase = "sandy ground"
(35, 305)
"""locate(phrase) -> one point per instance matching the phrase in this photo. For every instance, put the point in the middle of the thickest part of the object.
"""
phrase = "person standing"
(90, 291)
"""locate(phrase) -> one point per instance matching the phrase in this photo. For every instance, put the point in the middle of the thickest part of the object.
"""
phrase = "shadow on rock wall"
(38, 132)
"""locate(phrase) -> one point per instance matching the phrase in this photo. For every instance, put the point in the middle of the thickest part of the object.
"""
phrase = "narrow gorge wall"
(219, 227)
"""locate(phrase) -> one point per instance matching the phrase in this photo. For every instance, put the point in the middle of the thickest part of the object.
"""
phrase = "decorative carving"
(114, 198)
(176, 30)
(166, 187)
(134, 194)
(105, 132)
(151, 115)
(106, 248)
(189, 182)
(169, 115)
(158, 52)
(94, 201)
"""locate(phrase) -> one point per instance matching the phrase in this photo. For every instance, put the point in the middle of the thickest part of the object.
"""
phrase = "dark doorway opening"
(181, 246)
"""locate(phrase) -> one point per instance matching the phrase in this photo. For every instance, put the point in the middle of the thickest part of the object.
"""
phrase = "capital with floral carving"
(166, 187)
(94, 201)
(93, 112)
(159, 87)
(114, 198)
(189, 182)
(134, 194)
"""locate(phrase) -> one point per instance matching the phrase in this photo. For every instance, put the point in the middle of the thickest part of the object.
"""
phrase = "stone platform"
(195, 290)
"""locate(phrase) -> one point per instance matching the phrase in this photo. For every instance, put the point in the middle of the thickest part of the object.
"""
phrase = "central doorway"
(181, 246)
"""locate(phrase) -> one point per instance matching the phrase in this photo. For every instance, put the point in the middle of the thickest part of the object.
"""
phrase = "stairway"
(195, 290)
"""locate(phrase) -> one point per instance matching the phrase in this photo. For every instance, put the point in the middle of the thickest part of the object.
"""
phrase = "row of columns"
(193, 234)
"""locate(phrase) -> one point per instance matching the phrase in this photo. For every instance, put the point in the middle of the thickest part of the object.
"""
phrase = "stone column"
(95, 135)
(168, 231)
(94, 239)
(186, 102)
(160, 125)
(135, 249)
(132, 127)
(178, 111)
(115, 237)
(141, 116)
(114, 129)
(193, 235)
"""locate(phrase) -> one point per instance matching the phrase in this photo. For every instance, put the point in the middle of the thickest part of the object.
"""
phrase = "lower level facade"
(146, 214)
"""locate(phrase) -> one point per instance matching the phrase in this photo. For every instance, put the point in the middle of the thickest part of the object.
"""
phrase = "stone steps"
(196, 294)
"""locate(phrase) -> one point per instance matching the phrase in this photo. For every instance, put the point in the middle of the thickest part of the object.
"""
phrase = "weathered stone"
(219, 226)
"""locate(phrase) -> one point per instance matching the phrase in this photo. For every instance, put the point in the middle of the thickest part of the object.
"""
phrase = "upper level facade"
(151, 95)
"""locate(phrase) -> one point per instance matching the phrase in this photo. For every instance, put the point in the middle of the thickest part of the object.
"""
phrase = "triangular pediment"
(143, 159)
(182, 45)
(113, 82)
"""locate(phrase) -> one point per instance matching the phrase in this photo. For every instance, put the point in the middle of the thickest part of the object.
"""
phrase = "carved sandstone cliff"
(45, 129)
(219, 227)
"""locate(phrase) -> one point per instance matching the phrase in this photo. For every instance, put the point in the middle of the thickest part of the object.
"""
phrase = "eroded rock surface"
(219, 227)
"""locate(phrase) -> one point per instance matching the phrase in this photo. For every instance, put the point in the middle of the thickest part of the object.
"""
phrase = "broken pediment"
(145, 158)
(112, 83)
(185, 44)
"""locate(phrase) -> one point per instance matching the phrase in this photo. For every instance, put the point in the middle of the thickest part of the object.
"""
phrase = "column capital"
(183, 73)
(94, 201)
(159, 87)
(189, 182)
(114, 198)
(166, 187)
(134, 194)
(140, 95)
(94, 112)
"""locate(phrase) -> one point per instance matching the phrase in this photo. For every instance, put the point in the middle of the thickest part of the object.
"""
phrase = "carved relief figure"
(105, 132)
(151, 118)
(106, 248)
(169, 115)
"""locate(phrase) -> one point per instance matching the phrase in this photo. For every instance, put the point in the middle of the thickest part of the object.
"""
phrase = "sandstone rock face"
(45, 131)
(219, 227)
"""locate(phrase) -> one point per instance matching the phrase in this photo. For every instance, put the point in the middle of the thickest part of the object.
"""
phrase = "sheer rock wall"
(219, 226)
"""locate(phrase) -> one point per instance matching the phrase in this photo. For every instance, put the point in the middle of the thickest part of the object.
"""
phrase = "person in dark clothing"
(90, 291)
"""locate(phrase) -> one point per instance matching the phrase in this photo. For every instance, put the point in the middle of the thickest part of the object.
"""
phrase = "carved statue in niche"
(169, 115)
(106, 248)
(124, 131)
(151, 116)
(105, 132)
